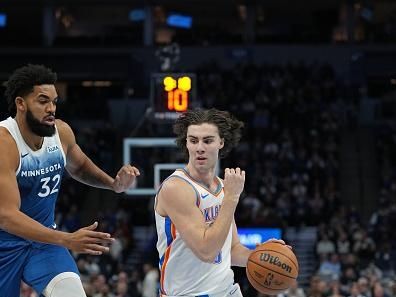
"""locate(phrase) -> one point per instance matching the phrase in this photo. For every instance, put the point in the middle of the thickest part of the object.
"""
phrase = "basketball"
(272, 268)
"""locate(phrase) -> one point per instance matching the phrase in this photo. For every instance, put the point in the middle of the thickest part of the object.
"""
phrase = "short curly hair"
(230, 129)
(23, 80)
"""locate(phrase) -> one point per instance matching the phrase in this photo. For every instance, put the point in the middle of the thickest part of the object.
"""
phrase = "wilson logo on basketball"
(275, 261)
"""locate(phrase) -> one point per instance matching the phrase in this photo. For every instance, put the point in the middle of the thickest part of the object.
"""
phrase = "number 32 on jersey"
(49, 185)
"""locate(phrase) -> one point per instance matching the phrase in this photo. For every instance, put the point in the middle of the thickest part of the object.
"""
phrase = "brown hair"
(230, 129)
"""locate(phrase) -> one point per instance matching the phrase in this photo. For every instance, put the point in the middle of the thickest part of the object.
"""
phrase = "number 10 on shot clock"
(172, 93)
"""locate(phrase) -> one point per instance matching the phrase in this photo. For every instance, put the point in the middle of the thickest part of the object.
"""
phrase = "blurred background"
(314, 82)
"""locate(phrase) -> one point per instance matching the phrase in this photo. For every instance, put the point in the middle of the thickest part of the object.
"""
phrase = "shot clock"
(172, 93)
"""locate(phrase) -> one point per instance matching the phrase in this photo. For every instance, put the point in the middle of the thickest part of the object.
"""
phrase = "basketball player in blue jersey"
(35, 148)
(194, 211)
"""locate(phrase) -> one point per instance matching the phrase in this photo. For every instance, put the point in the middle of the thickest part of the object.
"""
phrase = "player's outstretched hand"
(234, 181)
(125, 178)
(88, 241)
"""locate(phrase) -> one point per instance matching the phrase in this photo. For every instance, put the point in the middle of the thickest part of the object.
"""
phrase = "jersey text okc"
(211, 213)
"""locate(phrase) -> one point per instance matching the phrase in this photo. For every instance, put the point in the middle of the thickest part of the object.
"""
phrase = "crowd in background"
(293, 116)
(290, 152)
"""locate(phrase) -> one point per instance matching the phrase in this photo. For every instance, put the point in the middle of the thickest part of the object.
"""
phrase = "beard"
(38, 128)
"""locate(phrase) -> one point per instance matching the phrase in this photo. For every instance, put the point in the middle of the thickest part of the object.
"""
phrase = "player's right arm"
(178, 200)
(16, 222)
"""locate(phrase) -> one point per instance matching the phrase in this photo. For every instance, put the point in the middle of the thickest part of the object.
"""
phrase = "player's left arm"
(239, 253)
(81, 168)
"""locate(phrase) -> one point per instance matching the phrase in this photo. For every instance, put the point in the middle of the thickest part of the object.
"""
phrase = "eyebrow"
(47, 97)
(206, 137)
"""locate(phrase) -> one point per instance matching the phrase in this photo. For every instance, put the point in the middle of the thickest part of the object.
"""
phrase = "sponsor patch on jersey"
(51, 149)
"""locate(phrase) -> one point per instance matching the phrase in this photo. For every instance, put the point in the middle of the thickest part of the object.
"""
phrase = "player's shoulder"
(62, 126)
(8, 146)
(4, 132)
(172, 183)
(175, 186)
(65, 131)
(6, 139)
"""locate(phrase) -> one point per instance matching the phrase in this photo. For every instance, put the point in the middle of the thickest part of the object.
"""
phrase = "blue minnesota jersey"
(39, 176)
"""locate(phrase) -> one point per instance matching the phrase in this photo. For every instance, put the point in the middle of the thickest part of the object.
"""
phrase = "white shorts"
(232, 291)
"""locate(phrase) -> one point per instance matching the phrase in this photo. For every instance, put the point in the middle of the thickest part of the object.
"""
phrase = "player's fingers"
(101, 241)
(97, 247)
(94, 249)
(91, 252)
(122, 171)
(277, 241)
(91, 227)
(127, 180)
(128, 168)
(104, 242)
(136, 171)
(101, 235)
(128, 171)
(132, 170)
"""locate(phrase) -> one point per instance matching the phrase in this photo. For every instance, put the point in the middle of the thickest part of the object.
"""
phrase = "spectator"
(293, 291)
(355, 292)
(378, 290)
(335, 289)
(150, 282)
(364, 247)
(104, 291)
(330, 269)
(325, 246)
(122, 289)
(364, 287)
(343, 244)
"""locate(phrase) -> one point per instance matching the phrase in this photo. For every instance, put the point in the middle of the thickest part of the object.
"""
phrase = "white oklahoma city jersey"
(182, 272)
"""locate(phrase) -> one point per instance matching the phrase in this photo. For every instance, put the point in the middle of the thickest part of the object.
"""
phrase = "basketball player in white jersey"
(194, 210)
(35, 148)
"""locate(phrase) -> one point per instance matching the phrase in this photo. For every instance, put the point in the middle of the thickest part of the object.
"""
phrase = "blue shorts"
(34, 263)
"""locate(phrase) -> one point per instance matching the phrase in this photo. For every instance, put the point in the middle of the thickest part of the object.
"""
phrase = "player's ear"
(221, 143)
(20, 103)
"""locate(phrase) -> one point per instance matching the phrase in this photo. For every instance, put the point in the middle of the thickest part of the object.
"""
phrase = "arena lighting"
(98, 83)
(137, 15)
(179, 21)
(3, 20)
